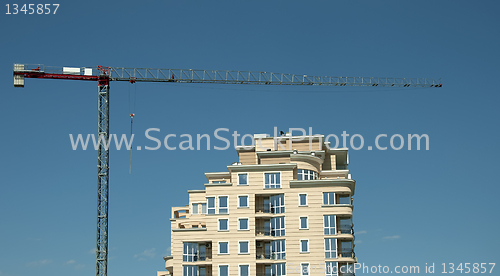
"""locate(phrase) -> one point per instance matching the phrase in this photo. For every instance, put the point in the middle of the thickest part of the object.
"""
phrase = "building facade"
(285, 208)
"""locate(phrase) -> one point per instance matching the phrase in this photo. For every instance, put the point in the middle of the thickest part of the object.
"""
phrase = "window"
(304, 246)
(190, 252)
(347, 269)
(331, 269)
(243, 247)
(244, 270)
(346, 249)
(278, 250)
(278, 269)
(278, 226)
(328, 198)
(344, 199)
(243, 201)
(223, 205)
(190, 270)
(223, 270)
(329, 223)
(302, 199)
(195, 209)
(306, 175)
(223, 225)
(346, 226)
(243, 224)
(204, 208)
(303, 223)
(330, 248)
(242, 179)
(304, 269)
(223, 247)
(211, 205)
(272, 180)
(277, 204)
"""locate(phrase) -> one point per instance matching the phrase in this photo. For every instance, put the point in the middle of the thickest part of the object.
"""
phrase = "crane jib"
(133, 75)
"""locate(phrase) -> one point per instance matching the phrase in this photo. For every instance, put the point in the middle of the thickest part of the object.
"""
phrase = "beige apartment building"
(285, 208)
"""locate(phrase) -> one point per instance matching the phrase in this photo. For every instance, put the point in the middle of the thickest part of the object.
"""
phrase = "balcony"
(273, 227)
(198, 253)
(267, 252)
(180, 212)
(346, 250)
(346, 229)
(269, 204)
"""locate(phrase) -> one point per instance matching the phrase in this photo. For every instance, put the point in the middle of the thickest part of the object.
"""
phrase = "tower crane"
(103, 75)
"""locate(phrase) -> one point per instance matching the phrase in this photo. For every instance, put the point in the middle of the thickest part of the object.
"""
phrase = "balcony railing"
(271, 256)
(347, 253)
(199, 258)
(270, 209)
(263, 256)
(346, 229)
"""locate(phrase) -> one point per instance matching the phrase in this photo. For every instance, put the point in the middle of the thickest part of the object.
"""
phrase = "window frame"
(281, 229)
(330, 251)
(248, 247)
(333, 272)
(334, 199)
(193, 267)
(239, 269)
(218, 204)
(218, 249)
(218, 225)
(248, 201)
(300, 246)
(307, 203)
(281, 253)
(282, 268)
(325, 219)
(204, 212)
(307, 222)
(311, 174)
(238, 176)
(191, 253)
(218, 269)
(211, 208)
(274, 200)
(193, 208)
(302, 269)
(248, 224)
(272, 185)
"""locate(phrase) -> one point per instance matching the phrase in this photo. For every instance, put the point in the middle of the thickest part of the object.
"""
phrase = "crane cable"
(131, 123)
(131, 114)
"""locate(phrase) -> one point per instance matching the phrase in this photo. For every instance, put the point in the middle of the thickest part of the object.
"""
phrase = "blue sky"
(411, 207)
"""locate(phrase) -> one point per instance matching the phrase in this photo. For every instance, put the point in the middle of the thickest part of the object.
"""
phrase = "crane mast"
(103, 75)
(102, 173)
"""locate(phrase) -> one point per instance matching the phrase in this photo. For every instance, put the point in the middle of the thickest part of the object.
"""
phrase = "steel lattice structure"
(103, 75)
(102, 174)
(254, 77)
